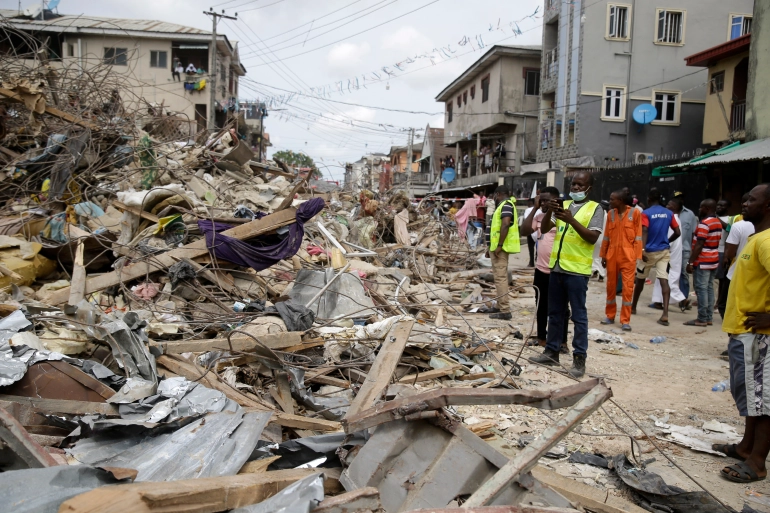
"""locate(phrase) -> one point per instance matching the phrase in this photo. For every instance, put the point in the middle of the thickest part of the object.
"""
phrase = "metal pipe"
(395, 298)
(331, 238)
(320, 292)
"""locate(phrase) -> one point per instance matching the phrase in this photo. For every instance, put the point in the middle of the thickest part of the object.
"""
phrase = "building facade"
(144, 54)
(491, 114)
(602, 60)
(758, 94)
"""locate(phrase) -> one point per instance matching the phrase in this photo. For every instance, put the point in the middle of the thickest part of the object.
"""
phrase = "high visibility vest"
(572, 252)
(511, 244)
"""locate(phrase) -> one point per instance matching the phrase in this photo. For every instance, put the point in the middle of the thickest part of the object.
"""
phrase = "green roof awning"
(693, 164)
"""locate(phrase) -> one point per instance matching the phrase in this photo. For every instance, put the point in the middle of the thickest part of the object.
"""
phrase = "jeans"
(724, 291)
(704, 289)
(684, 278)
(531, 249)
(567, 290)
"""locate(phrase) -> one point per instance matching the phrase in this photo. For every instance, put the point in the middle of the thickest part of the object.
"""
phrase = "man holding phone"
(579, 224)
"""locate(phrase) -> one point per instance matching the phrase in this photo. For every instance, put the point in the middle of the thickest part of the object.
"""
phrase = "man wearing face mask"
(503, 240)
(579, 223)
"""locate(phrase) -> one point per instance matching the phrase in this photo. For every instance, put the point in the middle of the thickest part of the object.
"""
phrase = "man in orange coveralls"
(621, 248)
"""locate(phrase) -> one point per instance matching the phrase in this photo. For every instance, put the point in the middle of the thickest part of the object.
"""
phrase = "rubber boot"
(578, 366)
(548, 357)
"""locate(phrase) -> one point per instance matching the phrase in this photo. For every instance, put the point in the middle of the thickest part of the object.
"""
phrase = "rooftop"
(713, 55)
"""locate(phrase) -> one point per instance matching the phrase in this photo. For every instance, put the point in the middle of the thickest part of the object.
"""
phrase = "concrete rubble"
(187, 329)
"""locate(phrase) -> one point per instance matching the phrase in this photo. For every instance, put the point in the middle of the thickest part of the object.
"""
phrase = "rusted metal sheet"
(59, 380)
(436, 399)
(29, 453)
(529, 457)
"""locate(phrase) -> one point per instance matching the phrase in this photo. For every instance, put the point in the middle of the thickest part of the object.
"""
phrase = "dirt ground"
(673, 378)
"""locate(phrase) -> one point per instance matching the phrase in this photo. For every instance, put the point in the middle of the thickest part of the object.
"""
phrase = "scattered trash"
(722, 386)
(658, 340)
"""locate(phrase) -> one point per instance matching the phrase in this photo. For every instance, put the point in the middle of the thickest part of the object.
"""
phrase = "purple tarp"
(264, 251)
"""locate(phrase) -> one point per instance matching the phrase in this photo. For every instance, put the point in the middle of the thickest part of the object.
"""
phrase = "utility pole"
(213, 71)
(409, 163)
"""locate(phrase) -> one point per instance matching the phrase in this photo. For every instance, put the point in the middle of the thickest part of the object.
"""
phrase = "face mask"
(579, 196)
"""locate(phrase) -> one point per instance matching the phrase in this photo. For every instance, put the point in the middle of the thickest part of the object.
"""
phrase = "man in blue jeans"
(579, 224)
(704, 261)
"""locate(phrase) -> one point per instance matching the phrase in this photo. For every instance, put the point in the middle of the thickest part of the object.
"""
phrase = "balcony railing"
(417, 178)
(738, 117)
(551, 63)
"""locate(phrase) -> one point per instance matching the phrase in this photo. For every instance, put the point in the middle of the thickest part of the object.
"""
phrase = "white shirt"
(726, 220)
(739, 234)
(191, 68)
(526, 215)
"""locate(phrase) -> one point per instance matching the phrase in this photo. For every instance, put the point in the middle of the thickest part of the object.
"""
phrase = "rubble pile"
(183, 328)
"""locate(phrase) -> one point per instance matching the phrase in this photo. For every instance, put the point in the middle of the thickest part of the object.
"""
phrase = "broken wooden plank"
(282, 392)
(363, 499)
(81, 377)
(479, 375)
(165, 260)
(13, 435)
(53, 111)
(207, 495)
(240, 342)
(257, 466)
(78, 282)
(384, 365)
(210, 276)
(495, 509)
(590, 497)
(528, 458)
(287, 201)
(431, 374)
(439, 398)
(136, 211)
(63, 406)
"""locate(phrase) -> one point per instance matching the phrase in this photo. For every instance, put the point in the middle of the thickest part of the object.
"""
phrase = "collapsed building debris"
(183, 328)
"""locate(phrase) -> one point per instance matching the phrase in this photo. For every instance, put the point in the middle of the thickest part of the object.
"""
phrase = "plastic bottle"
(632, 345)
(722, 386)
(657, 340)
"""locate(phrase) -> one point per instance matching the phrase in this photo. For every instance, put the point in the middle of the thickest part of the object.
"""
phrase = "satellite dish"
(33, 11)
(53, 4)
(448, 175)
(645, 114)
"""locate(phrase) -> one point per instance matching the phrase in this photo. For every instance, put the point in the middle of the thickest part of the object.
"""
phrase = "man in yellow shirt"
(747, 321)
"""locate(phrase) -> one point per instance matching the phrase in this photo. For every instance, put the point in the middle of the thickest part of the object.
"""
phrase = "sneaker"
(547, 358)
(626, 327)
(607, 320)
(578, 366)
(502, 316)
(601, 279)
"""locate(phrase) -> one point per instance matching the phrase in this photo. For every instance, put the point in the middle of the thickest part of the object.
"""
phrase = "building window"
(116, 56)
(740, 25)
(667, 105)
(718, 82)
(532, 82)
(158, 59)
(485, 89)
(449, 112)
(459, 101)
(614, 106)
(618, 21)
(670, 29)
(70, 50)
(473, 92)
(465, 98)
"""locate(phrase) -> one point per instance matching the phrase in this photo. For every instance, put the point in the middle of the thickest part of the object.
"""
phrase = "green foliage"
(295, 159)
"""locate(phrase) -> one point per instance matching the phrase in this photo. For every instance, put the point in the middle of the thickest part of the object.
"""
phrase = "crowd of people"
(631, 242)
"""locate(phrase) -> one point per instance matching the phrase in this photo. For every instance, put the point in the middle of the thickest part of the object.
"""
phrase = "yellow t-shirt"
(750, 287)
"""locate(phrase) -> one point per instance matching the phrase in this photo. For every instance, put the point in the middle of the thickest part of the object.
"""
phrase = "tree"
(298, 160)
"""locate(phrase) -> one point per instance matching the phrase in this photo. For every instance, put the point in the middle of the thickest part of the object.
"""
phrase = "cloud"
(407, 40)
(347, 58)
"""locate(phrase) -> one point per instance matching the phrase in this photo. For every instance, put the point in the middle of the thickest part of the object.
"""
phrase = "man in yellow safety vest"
(503, 240)
(579, 224)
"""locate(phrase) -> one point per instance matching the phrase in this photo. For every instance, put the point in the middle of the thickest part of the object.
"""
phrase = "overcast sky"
(288, 28)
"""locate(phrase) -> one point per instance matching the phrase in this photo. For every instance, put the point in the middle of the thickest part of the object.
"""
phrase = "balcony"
(417, 178)
(738, 116)
(552, 8)
(550, 71)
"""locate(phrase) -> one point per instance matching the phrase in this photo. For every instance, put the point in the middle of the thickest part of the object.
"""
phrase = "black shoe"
(502, 316)
(578, 366)
(485, 309)
(564, 348)
(547, 358)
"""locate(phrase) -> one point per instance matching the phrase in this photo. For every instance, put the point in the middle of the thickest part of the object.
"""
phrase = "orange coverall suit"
(622, 247)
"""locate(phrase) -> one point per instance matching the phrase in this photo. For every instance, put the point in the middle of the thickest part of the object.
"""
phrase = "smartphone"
(560, 201)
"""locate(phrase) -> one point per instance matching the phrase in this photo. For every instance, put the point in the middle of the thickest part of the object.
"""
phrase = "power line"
(311, 22)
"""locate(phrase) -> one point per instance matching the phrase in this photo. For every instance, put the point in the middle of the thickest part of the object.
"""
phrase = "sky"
(295, 45)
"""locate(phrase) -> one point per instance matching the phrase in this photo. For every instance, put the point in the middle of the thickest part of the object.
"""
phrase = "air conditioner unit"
(643, 158)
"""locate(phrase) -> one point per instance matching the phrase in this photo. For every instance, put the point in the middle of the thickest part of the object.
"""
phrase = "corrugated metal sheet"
(94, 22)
(754, 150)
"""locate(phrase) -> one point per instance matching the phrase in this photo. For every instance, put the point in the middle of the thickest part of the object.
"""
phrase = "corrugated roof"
(736, 152)
(94, 22)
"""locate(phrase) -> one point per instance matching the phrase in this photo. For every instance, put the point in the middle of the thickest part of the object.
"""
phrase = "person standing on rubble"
(503, 240)
(747, 322)
(579, 224)
(621, 248)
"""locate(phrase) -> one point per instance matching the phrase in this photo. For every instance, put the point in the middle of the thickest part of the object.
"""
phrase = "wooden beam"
(528, 458)
(286, 203)
(384, 365)
(240, 342)
(165, 260)
(63, 406)
(439, 398)
(53, 111)
(207, 495)
(136, 211)
(13, 434)
(78, 282)
(428, 375)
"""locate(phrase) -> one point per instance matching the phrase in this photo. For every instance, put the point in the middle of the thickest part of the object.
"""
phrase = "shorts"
(660, 260)
(749, 358)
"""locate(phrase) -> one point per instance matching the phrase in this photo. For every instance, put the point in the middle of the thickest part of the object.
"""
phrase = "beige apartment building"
(146, 52)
